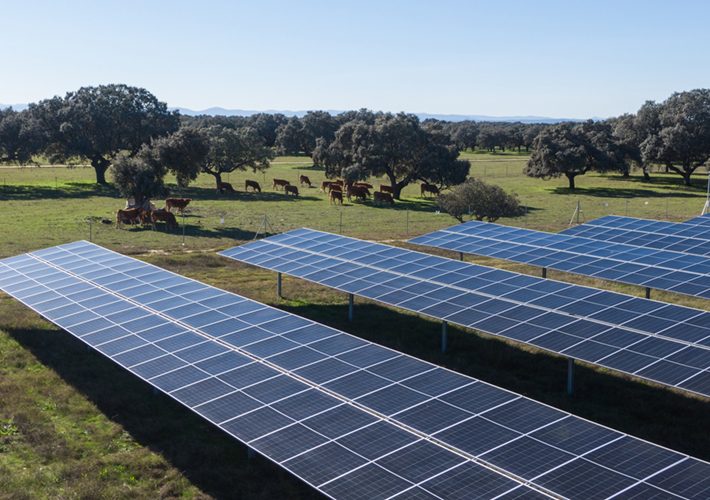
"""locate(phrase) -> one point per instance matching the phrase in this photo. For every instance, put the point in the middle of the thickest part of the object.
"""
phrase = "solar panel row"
(688, 237)
(659, 269)
(126, 308)
(146, 319)
(652, 340)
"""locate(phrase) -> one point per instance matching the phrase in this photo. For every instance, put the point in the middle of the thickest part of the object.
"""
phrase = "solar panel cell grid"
(271, 415)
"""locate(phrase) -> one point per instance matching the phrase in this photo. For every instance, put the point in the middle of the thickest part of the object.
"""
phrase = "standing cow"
(279, 182)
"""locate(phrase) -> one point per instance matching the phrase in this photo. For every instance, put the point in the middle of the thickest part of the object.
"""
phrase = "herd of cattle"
(335, 189)
(144, 217)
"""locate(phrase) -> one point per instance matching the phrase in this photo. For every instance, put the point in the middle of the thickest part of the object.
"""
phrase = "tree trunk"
(686, 178)
(646, 177)
(100, 165)
(571, 180)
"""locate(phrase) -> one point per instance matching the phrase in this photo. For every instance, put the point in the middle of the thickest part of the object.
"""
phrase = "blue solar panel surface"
(232, 360)
(689, 237)
(649, 339)
(652, 268)
(186, 338)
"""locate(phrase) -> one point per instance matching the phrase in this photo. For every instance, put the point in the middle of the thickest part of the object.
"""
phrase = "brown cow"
(339, 182)
(279, 182)
(324, 185)
(336, 196)
(363, 184)
(384, 188)
(334, 187)
(429, 188)
(225, 187)
(304, 180)
(357, 192)
(291, 189)
(167, 217)
(144, 217)
(131, 215)
(179, 203)
(386, 197)
(253, 185)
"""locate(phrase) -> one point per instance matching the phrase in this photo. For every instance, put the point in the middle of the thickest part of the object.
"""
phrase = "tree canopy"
(98, 123)
(20, 136)
(393, 146)
(574, 149)
(231, 150)
(682, 139)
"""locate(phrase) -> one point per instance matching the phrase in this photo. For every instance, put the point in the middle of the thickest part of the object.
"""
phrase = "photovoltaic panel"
(243, 385)
(690, 237)
(645, 338)
(347, 451)
(653, 268)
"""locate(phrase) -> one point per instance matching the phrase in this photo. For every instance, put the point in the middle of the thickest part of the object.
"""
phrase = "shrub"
(481, 200)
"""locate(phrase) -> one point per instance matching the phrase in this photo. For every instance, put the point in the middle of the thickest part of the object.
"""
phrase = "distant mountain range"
(422, 116)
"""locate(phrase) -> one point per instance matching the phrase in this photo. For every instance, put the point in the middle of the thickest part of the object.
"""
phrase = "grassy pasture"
(74, 425)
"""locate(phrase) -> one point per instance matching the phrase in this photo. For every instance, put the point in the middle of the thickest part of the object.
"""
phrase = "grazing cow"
(336, 196)
(384, 188)
(144, 217)
(253, 185)
(131, 215)
(339, 182)
(386, 197)
(224, 187)
(291, 189)
(179, 203)
(304, 180)
(279, 182)
(167, 217)
(363, 184)
(357, 192)
(334, 187)
(324, 185)
(429, 188)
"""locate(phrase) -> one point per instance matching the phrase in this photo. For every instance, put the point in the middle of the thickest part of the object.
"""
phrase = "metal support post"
(443, 337)
(183, 228)
(526, 215)
(461, 256)
(351, 304)
(570, 375)
(407, 221)
(341, 222)
(544, 272)
(278, 284)
(648, 293)
(91, 230)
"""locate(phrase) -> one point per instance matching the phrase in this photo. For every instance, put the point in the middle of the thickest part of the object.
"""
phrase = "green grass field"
(74, 425)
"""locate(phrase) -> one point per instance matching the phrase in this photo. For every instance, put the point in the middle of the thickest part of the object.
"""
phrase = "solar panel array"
(659, 269)
(653, 340)
(353, 419)
(689, 237)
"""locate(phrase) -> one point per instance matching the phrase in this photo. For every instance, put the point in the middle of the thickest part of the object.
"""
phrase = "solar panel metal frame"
(402, 444)
(549, 312)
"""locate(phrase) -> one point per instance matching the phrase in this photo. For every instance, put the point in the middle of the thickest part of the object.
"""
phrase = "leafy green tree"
(231, 150)
(464, 135)
(98, 123)
(182, 153)
(481, 200)
(20, 136)
(393, 146)
(139, 177)
(574, 149)
(682, 141)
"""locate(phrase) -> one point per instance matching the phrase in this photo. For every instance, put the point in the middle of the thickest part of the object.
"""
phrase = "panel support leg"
(278, 284)
(155, 391)
(570, 375)
(443, 337)
(250, 453)
(351, 304)
(648, 293)
(461, 256)
(544, 272)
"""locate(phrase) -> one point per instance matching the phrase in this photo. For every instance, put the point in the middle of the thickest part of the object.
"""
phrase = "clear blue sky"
(562, 59)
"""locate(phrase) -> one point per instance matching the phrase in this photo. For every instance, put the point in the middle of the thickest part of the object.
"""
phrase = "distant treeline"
(100, 123)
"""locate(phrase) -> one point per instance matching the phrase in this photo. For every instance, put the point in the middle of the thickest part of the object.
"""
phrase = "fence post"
(407, 221)
(183, 227)
(526, 214)
(91, 232)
